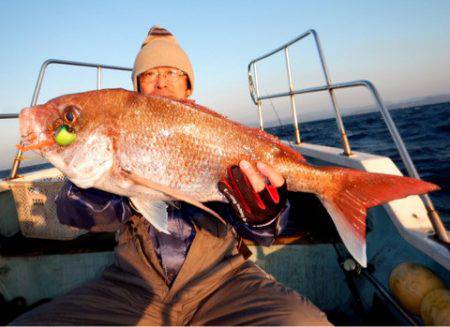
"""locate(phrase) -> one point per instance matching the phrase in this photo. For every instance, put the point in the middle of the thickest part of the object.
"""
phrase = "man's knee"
(36, 316)
(300, 311)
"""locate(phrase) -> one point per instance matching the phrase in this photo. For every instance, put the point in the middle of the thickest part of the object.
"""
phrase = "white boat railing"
(438, 226)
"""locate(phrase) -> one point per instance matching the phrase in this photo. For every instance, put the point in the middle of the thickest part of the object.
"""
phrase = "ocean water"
(425, 131)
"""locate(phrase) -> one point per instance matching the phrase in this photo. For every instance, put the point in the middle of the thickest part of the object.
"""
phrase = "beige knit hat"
(160, 48)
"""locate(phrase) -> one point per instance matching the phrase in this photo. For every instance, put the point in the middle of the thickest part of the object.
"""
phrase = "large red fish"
(152, 148)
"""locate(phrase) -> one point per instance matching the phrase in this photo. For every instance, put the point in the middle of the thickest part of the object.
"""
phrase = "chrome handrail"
(37, 90)
(9, 116)
(435, 220)
(254, 93)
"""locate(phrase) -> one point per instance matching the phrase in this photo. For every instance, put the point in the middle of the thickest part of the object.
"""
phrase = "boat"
(41, 259)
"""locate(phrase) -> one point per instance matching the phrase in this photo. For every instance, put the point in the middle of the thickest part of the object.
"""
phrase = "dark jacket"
(97, 210)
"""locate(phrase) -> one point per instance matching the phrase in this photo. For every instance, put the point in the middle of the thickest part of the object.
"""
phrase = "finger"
(244, 189)
(275, 178)
(255, 178)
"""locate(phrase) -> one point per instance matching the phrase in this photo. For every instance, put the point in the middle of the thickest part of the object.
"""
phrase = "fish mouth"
(36, 144)
(32, 135)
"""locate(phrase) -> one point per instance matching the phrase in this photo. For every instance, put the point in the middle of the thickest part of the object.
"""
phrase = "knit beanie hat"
(160, 48)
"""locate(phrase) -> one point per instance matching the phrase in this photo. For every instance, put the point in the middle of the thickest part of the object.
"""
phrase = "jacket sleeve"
(91, 209)
(262, 235)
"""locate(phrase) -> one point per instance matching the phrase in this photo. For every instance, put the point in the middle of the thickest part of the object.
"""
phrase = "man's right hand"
(253, 200)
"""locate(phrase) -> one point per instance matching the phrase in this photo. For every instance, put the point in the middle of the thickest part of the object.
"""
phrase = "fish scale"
(207, 161)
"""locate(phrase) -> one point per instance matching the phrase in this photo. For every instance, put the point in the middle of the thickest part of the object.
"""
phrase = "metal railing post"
(99, 77)
(340, 123)
(261, 121)
(292, 97)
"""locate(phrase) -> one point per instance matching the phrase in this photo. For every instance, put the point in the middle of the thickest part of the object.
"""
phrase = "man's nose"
(160, 82)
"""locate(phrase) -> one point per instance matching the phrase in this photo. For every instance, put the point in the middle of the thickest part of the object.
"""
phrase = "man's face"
(164, 81)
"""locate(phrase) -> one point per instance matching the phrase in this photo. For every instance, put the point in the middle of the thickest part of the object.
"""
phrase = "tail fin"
(354, 192)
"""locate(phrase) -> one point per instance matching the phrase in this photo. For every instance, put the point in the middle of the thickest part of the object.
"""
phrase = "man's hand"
(254, 200)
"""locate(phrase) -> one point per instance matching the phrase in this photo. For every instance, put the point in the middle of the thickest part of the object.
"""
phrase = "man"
(198, 274)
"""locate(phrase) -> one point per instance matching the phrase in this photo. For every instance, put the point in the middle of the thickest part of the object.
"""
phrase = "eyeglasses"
(171, 74)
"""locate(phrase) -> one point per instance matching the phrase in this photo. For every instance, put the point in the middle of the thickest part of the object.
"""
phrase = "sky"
(402, 46)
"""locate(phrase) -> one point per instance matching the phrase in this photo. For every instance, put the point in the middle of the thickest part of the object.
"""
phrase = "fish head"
(73, 129)
(54, 127)
(77, 114)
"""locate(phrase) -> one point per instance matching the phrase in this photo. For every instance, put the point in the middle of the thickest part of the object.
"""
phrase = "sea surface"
(425, 131)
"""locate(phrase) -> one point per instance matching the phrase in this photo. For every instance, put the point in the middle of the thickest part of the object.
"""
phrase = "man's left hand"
(254, 200)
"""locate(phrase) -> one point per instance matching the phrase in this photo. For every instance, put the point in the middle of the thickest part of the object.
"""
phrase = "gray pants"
(215, 286)
(248, 296)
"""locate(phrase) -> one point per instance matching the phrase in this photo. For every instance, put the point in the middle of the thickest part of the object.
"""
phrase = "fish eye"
(70, 114)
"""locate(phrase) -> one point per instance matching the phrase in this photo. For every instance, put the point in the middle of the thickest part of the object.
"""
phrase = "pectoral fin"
(171, 192)
(154, 211)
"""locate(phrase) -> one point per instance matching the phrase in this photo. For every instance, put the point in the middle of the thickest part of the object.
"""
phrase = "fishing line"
(274, 110)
